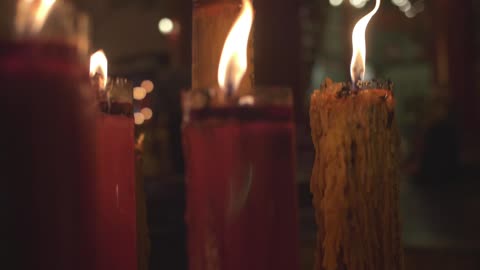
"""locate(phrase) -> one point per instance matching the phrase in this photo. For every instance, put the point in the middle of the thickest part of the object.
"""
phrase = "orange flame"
(357, 66)
(233, 62)
(32, 15)
(99, 64)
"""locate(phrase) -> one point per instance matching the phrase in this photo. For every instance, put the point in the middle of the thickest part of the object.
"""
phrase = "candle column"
(355, 174)
(48, 145)
(354, 180)
(239, 152)
(241, 191)
(115, 189)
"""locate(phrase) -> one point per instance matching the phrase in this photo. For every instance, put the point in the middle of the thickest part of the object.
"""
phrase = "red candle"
(115, 188)
(241, 193)
(115, 197)
(48, 152)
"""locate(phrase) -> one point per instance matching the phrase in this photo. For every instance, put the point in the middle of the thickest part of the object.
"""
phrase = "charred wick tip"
(349, 88)
(375, 84)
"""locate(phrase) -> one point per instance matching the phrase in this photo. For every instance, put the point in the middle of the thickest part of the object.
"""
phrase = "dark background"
(430, 52)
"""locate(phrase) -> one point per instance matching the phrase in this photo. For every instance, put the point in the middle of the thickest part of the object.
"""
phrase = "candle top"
(344, 89)
(241, 114)
(375, 90)
(266, 103)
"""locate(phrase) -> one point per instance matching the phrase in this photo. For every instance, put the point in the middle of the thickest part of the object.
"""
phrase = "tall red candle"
(115, 190)
(241, 193)
(48, 146)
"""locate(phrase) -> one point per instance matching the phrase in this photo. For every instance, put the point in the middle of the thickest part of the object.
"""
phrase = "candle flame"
(357, 66)
(99, 65)
(32, 15)
(233, 62)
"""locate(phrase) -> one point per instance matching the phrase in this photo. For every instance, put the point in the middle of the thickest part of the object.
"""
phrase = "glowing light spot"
(406, 7)
(399, 2)
(147, 85)
(139, 93)
(165, 26)
(410, 13)
(336, 3)
(147, 113)
(246, 101)
(358, 3)
(139, 118)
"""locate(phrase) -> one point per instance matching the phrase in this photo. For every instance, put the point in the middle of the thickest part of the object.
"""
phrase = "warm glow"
(32, 14)
(147, 85)
(139, 118)
(357, 66)
(165, 26)
(246, 101)
(99, 65)
(336, 3)
(358, 3)
(139, 93)
(233, 62)
(399, 2)
(147, 113)
(140, 139)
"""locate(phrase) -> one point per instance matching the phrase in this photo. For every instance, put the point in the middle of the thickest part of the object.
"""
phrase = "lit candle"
(354, 180)
(115, 191)
(241, 192)
(48, 143)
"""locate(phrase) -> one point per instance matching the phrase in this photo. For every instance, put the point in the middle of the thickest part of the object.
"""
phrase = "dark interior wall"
(277, 46)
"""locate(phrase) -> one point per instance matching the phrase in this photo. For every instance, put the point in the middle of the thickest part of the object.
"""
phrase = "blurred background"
(428, 48)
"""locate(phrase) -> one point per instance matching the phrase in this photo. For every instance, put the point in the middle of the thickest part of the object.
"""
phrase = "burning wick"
(99, 66)
(357, 66)
(99, 74)
(233, 61)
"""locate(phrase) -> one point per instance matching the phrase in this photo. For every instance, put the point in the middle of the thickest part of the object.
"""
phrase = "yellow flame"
(233, 62)
(99, 64)
(32, 15)
(357, 66)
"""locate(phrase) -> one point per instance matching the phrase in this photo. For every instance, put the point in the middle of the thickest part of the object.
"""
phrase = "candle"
(48, 144)
(354, 180)
(115, 195)
(241, 193)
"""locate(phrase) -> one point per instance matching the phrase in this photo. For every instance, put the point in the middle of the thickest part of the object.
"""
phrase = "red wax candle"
(115, 197)
(241, 194)
(48, 155)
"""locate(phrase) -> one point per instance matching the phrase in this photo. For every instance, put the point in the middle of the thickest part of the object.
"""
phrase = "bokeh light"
(336, 3)
(139, 93)
(358, 3)
(147, 113)
(147, 85)
(165, 26)
(139, 118)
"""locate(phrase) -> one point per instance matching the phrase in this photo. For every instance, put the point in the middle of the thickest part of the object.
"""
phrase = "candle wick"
(229, 89)
(356, 84)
